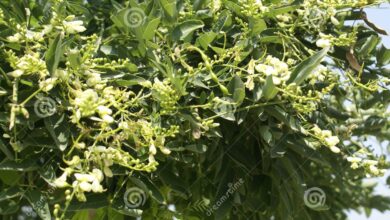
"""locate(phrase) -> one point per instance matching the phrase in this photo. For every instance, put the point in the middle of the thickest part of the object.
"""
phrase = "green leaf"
(282, 10)
(173, 181)
(58, 127)
(94, 201)
(54, 54)
(6, 151)
(257, 25)
(81, 215)
(197, 148)
(39, 203)
(237, 88)
(150, 29)
(10, 193)
(114, 215)
(233, 7)
(8, 207)
(271, 39)
(186, 28)
(169, 7)
(383, 56)
(305, 68)
(269, 89)
(223, 19)
(205, 39)
(10, 177)
(154, 192)
(369, 44)
(130, 80)
(23, 165)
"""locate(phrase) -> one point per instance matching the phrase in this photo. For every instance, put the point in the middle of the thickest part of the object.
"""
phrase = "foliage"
(238, 106)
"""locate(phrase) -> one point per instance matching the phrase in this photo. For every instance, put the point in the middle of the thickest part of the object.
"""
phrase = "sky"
(380, 17)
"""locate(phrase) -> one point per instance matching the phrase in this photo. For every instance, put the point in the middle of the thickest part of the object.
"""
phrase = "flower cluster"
(326, 137)
(371, 166)
(30, 63)
(83, 182)
(276, 68)
(165, 95)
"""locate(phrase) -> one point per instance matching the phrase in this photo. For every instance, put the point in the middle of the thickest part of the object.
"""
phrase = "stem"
(30, 97)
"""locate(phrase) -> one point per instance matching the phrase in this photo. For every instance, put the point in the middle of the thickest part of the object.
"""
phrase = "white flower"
(354, 159)
(270, 71)
(151, 158)
(261, 68)
(47, 29)
(370, 162)
(123, 125)
(72, 27)
(80, 145)
(276, 80)
(96, 187)
(98, 174)
(60, 182)
(81, 177)
(152, 149)
(317, 131)
(335, 149)
(15, 38)
(16, 73)
(334, 21)
(86, 97)
(332, 141)
(108, 119)
(86, 101)
(281, 66)
(48, 84)
(354, 166)
(326, 133)
(75, 161)
(85, 186)
(374, 170)
(107, 171)
(323, 43)
(94, 79)
(165, 150)
(103, 110)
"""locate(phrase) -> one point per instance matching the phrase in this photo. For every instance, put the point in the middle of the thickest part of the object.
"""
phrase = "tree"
(225, 109)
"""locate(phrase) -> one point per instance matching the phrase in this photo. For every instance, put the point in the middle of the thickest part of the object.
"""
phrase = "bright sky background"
(380, 17)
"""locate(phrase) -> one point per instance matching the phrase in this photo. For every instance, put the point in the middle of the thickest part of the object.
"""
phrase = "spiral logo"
(134, 17)
(45, 107)
(134, 197)
(314, 198)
